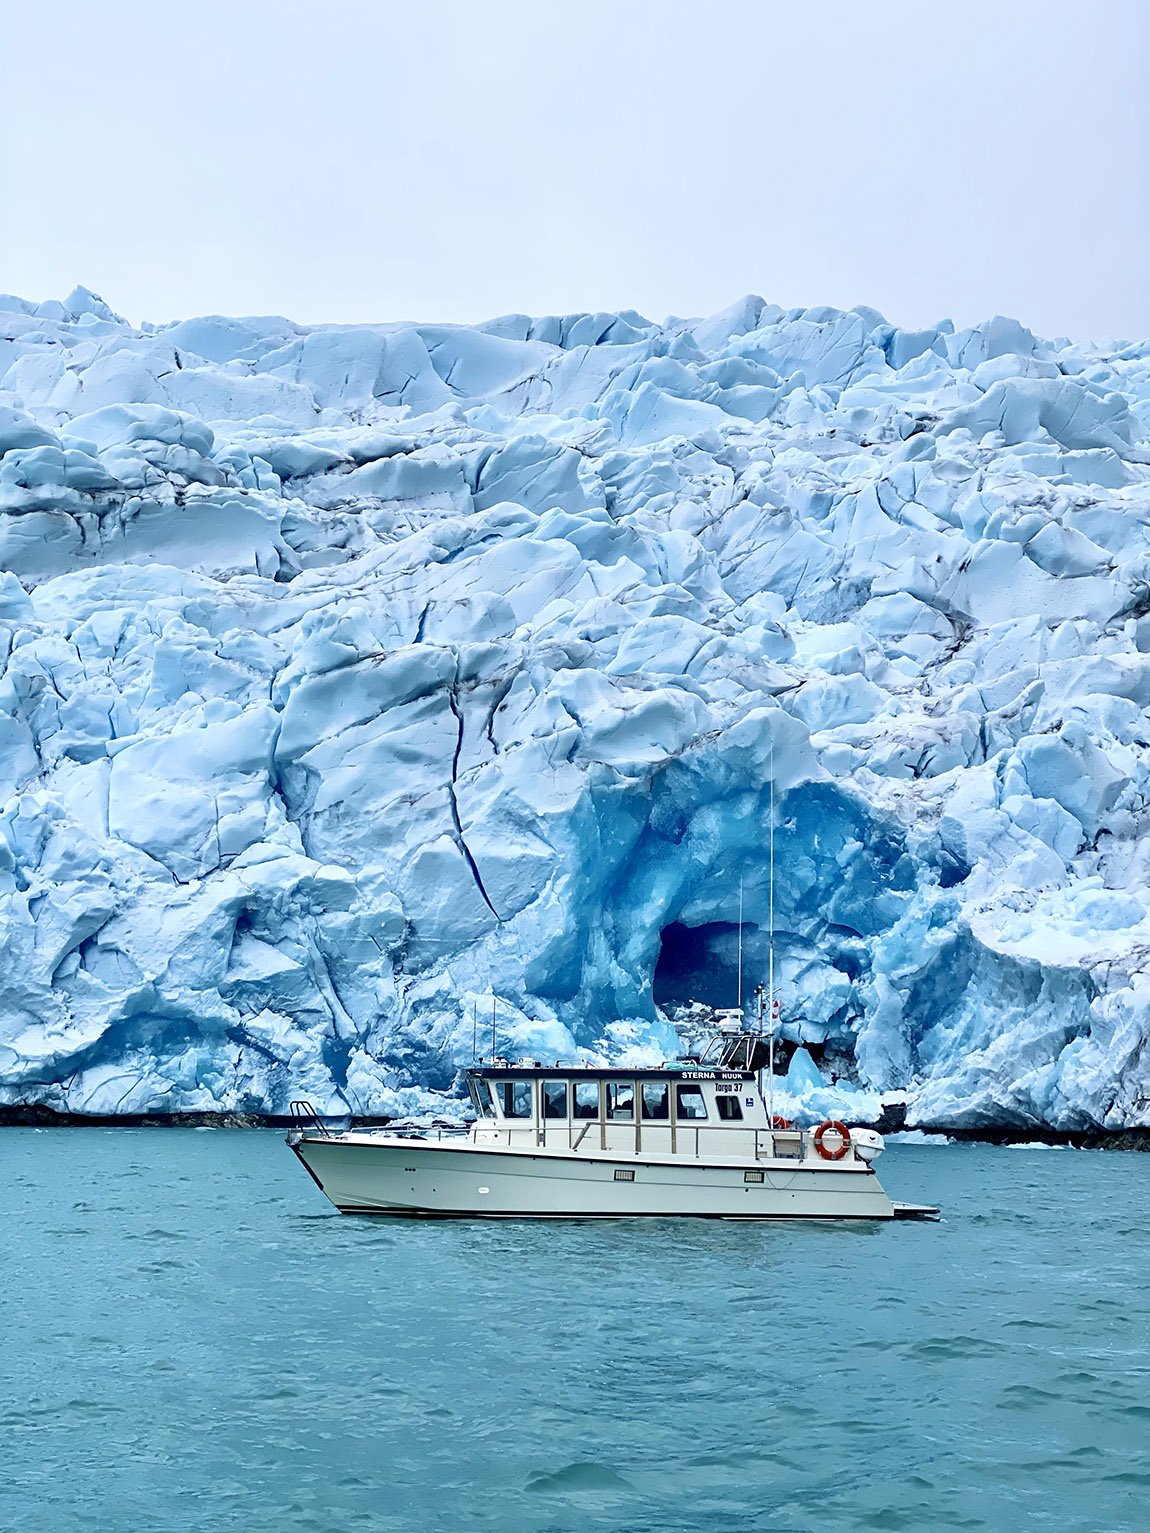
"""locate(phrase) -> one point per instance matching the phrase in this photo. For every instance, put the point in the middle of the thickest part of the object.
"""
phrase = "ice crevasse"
(357, 679)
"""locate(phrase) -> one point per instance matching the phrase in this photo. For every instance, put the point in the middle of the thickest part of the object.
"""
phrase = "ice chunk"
(838, 700)
(116, 424)
(802, 1074)
(18, 429)
(1033, 409)
(82, 300)
(1063, 551)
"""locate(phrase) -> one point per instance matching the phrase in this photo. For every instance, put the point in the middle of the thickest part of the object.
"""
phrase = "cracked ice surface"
(353, 676)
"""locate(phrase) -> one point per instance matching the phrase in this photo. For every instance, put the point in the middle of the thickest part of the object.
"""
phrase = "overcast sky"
(453, 159)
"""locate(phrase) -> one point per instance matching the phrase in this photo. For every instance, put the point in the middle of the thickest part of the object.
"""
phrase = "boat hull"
(446, 1179)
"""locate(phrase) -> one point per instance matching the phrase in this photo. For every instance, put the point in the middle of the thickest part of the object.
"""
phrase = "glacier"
(364, 683)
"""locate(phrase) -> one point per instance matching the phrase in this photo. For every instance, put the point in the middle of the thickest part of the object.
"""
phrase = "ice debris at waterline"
(357, 675)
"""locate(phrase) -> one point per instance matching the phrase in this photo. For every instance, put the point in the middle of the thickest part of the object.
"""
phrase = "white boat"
(587, 1142)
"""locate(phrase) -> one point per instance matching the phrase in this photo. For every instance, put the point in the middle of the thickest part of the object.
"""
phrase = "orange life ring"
(841, 1130)
(777, 1122)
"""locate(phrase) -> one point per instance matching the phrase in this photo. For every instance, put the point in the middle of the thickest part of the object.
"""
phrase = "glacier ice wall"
(356, 679)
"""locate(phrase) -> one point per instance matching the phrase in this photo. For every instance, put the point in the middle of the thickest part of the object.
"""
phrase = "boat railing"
(769, 1144)
(305, 1116)
(583, 1133)
(427, 1131)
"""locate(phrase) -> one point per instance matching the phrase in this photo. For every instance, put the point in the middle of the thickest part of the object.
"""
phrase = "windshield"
(480, 1093)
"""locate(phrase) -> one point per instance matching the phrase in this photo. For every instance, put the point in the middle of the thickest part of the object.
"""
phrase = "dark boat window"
(481, 1096)
(621, 1100)
(690, 1102)
(586, 1099)
(554, 1099)
(516, 1098)
(729, 1107)
(655, 1099)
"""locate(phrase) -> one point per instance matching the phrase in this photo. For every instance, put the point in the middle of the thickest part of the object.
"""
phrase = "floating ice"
(360, 680)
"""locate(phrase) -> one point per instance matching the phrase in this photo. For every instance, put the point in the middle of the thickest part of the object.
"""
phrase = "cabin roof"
(593, 1072)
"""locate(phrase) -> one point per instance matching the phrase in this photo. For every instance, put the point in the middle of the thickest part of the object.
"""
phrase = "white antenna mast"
(771, 896)
(771, 941)
(739, 996)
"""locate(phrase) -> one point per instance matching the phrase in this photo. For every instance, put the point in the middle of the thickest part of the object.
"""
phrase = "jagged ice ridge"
(354, 675)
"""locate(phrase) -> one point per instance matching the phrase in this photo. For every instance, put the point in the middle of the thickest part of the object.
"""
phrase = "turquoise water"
(193, 1340)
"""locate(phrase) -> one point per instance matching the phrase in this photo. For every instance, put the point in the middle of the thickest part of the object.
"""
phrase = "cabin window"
(690, 1102)
(554, 1099)
(655, 1100)
(516, 1098)
(729, 1108)
(481, 1097)
(621, 1100)
(586, 1099)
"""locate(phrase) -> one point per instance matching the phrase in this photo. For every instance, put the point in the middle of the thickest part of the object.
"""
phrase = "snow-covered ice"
(356, 676)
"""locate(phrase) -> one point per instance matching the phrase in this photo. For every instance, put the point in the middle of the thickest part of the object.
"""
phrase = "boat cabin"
(688, 1108)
